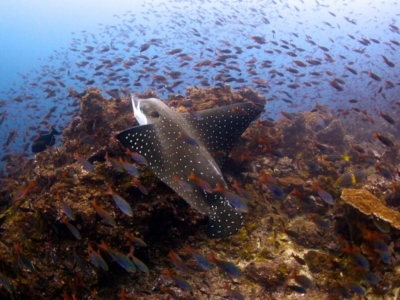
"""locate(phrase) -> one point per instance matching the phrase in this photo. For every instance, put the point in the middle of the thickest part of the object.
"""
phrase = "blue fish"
(73, 229)
(5, 282)
(122, 259)
(200, 259)
(385, 256)
(225, 266)
(275, 190)
(360, 260)
(159, 139)
(370, 277)
(141, 265)
(120, 202)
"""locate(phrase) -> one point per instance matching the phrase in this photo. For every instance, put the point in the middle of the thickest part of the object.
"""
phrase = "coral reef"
(368, 204)
(290, 226)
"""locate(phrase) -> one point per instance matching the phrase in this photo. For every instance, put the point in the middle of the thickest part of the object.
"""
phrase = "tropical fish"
(182, 183)
(67, 210)
(21, 193)
(359, 260)
(352, 178)
(243, 193)
(323, 194)
(44, 141)
(323, 148)
(177, 260)
(356, 288)
(182, 283)
(275, 190)
(21, 260)
(139, 159)
(385, 172)
(3, 116)
(115, 163)
(11, 137)
(370, 277)
(387, 118)
(204, 185)
(374, 76)
(135, 240)
(144, 47)
(385, 256)
(301, 196)
(136, 183)
(122, 259)
(107, 218)
(318, 221)
(351, 70)
(139, 264)
(96, 259)
(72, 228)
(5, 282)
(129, 168)
(200, 259)
(383, 139)
(382, 225)
(225, 266)
(357, 148)
(157, 139)
(87, 166)
(120, 202)
(296, 288)
(302, 280)
(300, 260)
(234, 200)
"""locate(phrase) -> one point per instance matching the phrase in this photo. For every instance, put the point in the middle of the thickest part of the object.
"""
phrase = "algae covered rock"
(268, 273)
(304, 233)
(334, 135)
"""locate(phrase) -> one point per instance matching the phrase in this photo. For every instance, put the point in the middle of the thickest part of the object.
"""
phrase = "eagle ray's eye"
(154, 114)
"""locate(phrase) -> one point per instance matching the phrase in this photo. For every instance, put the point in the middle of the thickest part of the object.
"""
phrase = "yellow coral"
(368, 204)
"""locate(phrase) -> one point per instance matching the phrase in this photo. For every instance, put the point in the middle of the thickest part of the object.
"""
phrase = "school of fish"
(212, 127)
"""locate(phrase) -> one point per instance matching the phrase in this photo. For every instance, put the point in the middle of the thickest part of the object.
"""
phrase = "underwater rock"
(307, 235)
(293, 136)
(251, 95)
(268, 273)
(223, 95)
(316, 261)
(390, 154)
(368, 204)
(333, 135)
(317, 121)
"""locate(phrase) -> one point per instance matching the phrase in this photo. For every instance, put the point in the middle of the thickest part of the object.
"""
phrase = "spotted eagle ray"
(158, 137)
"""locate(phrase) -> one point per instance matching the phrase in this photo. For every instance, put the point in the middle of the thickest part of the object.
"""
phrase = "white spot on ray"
(167, 154)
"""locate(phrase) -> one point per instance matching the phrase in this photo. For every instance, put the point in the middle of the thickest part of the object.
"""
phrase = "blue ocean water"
(48, 47)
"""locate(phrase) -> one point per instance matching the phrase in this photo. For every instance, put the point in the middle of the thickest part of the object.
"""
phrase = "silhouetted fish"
(158, 139)
(44, 141)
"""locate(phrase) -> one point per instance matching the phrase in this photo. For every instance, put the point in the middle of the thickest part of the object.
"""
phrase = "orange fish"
(200, 182)
(179, 264)
(107, 218)
(21, 193)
